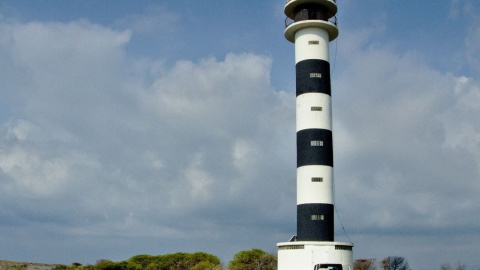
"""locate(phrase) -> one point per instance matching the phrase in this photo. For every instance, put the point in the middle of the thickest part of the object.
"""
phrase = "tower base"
(310, 255)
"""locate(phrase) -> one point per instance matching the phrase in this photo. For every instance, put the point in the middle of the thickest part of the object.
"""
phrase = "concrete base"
(307, 255)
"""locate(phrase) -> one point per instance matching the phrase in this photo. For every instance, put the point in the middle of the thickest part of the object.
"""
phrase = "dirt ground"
(9, 265)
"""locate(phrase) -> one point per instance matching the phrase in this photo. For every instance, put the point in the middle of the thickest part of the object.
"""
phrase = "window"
(317, 179)
(318, 217)
(310, 12)
(313, 42)
(316, 143)
(292, 247)
(315, 75)
(316, 109)
(343, 247)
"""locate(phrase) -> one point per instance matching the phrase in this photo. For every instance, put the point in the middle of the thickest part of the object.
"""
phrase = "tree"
(176, 261)
(142, 259)
(394, 263)
(461, 266)
(122, 265)
(255, 259)
(207, 266)
(364, 264)
(197, 261)
(447, 266)
(104, 264)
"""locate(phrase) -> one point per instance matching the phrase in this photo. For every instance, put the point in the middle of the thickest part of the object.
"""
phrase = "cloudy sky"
(151, 127)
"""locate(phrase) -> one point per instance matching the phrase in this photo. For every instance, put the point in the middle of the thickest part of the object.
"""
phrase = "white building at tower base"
(314, 255)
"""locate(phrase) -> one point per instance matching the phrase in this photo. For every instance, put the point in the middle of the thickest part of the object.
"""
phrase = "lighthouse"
(311, 25)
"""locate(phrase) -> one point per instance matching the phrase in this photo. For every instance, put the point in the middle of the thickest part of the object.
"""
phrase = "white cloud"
(105, 154)
(462, 129)
(32, 174)
(244, 155)
(33, 170)
(471, 46)
(468, 10)
(406, 144)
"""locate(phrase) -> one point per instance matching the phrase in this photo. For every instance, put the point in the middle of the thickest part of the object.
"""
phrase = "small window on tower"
(316, 143)
(317, 179)
(316, 109)
(318, 217)
(313, 42)
(315, 75)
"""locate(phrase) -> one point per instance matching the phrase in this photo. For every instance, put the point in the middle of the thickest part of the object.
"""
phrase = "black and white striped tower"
(311, 27)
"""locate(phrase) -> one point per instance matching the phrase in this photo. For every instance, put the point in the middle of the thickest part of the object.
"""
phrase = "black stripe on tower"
(313, 76)
(314, 147)
(315, 222)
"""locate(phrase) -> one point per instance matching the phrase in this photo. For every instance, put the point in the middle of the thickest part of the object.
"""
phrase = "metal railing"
(332, 20)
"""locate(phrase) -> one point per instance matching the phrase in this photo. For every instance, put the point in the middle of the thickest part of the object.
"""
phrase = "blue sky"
(151, 127)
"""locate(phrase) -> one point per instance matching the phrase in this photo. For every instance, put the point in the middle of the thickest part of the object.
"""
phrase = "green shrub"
(60, 267)
(174, 261)
(253, 260)
(142, 260)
